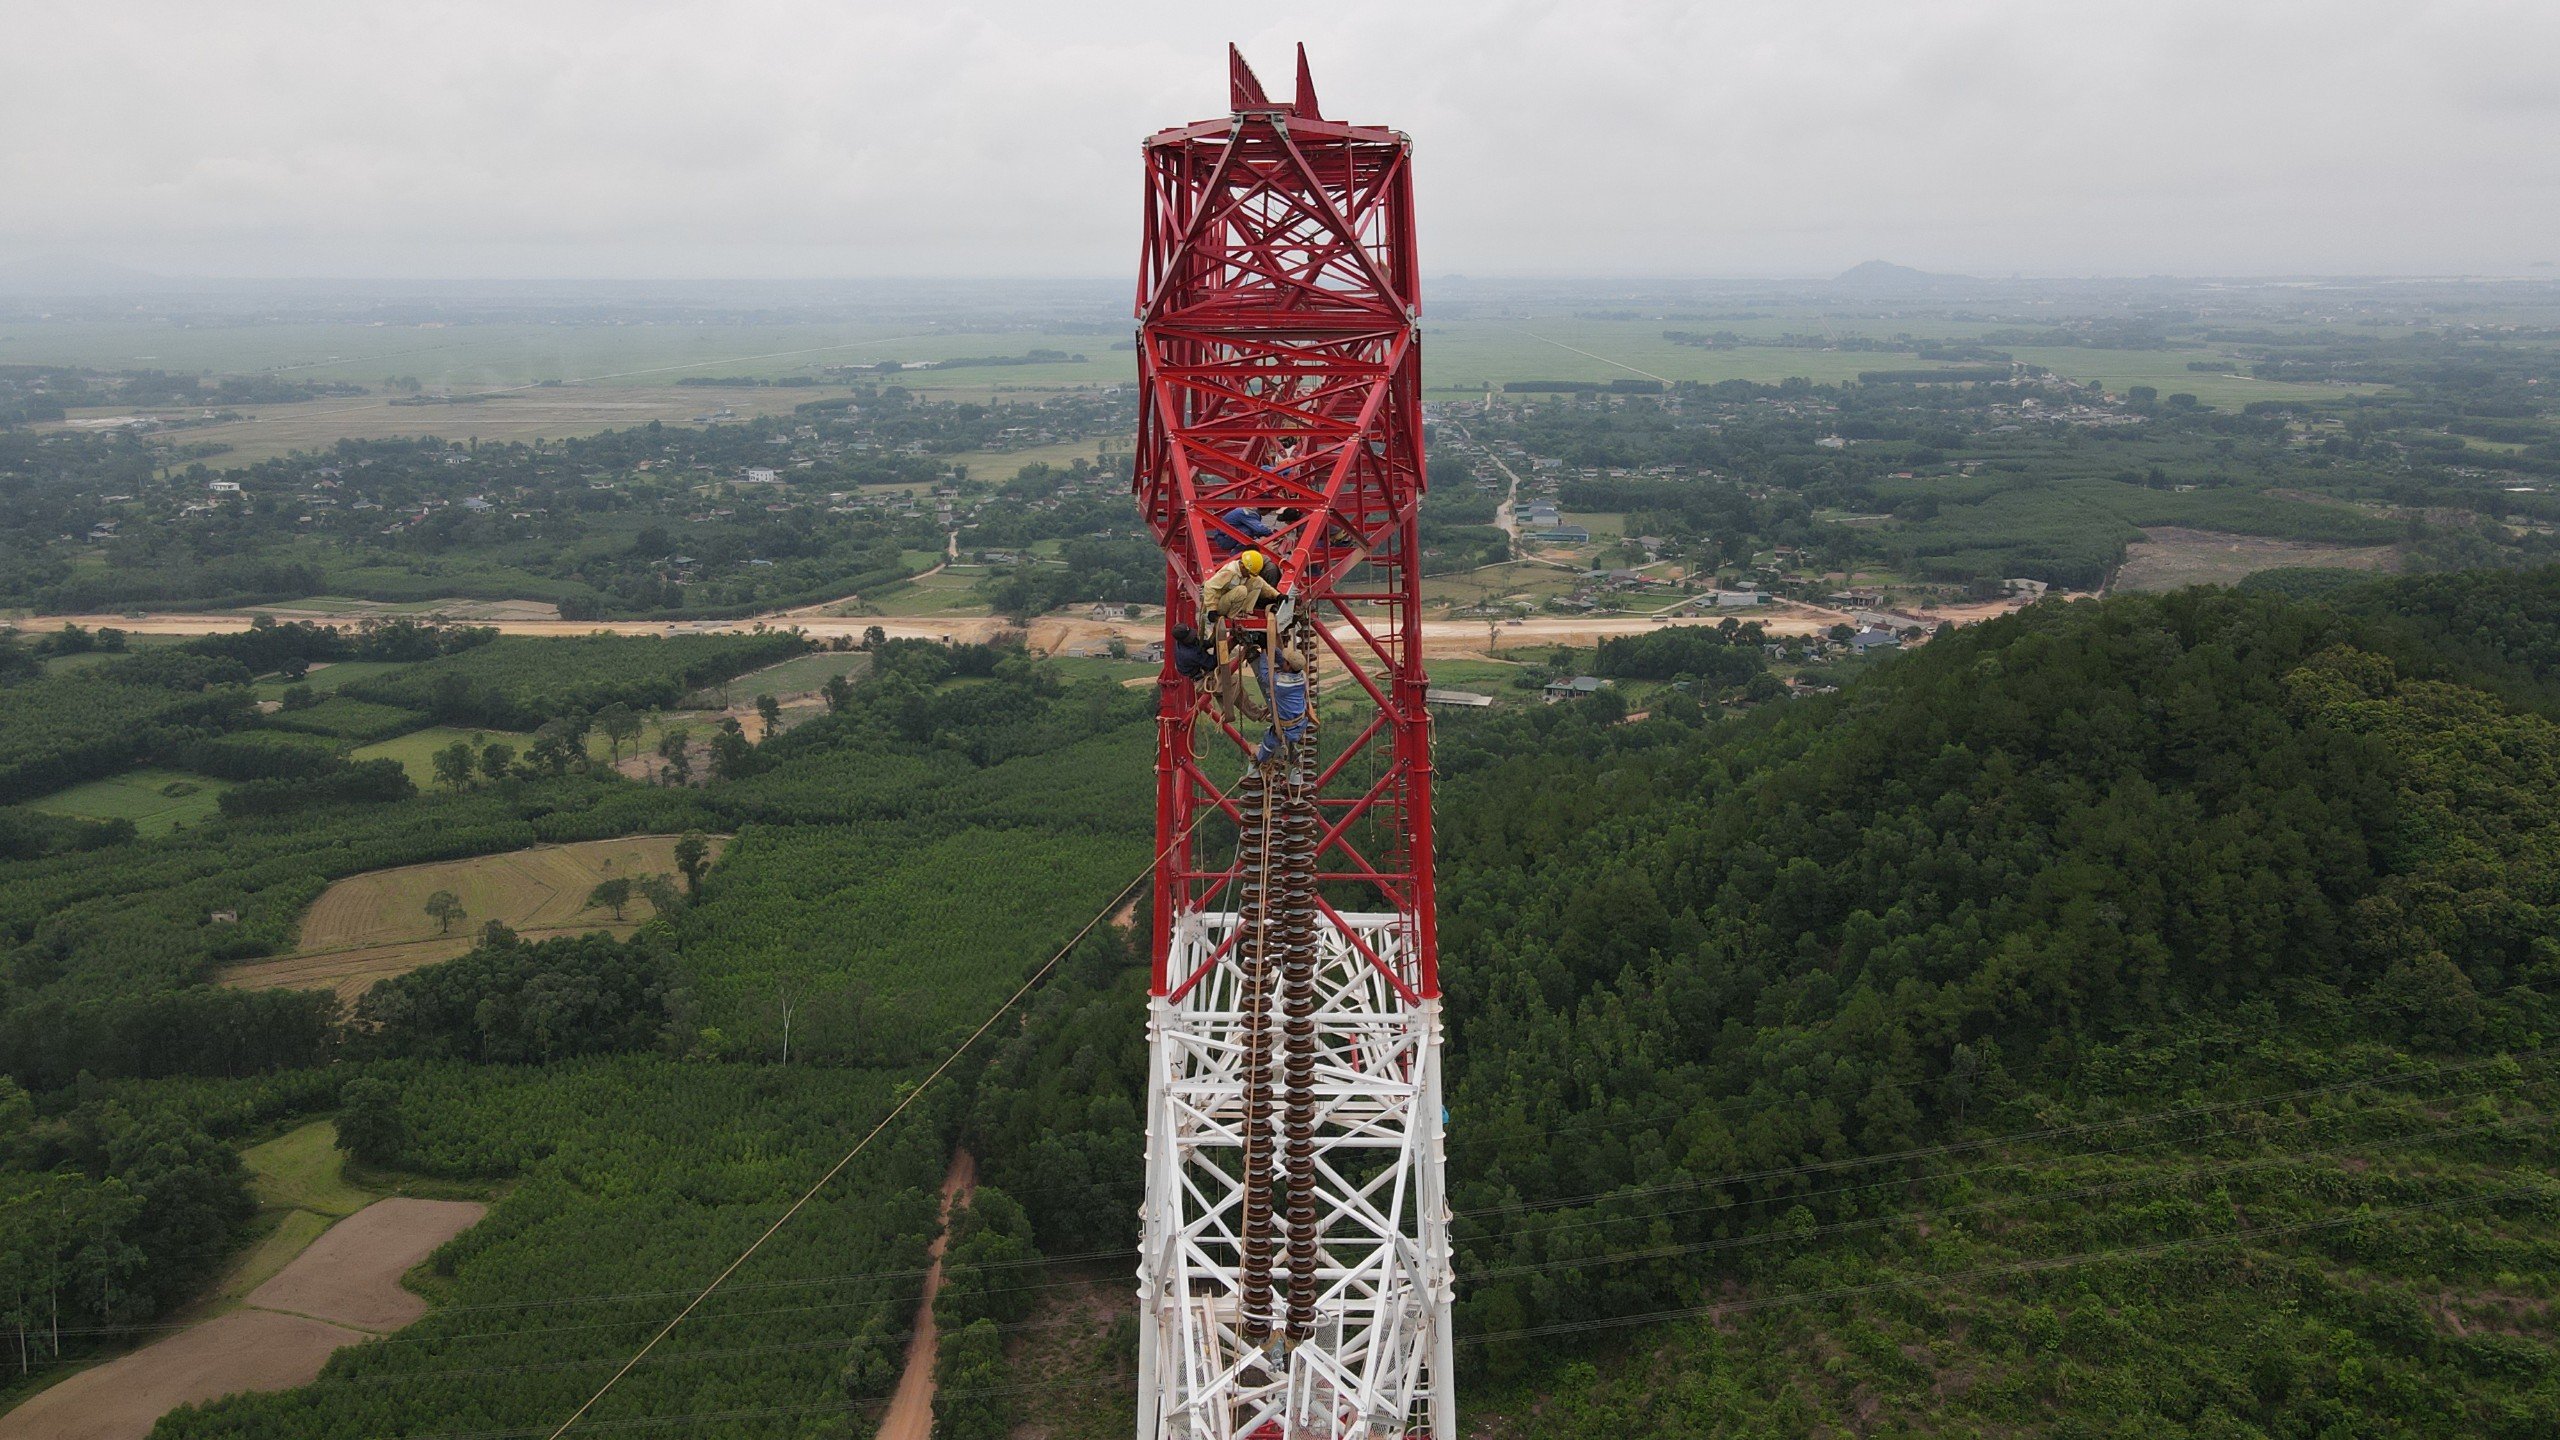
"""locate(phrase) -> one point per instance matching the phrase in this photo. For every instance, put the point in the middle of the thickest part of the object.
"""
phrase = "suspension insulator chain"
(1256, 913)
(1298, 1001)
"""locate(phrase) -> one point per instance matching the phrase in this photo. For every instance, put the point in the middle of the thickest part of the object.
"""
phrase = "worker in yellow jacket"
(1237, 589)
(1232, 595)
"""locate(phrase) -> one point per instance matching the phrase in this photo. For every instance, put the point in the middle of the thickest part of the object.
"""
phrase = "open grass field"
(2170, 558)
(144, 797)
(545, 381)
(463, 358)
(1003, 465)
(1078, 668)
(1477, 673)
(2167, 371)
(90, 659)
(1463, 356)
(801, 675)
(368, 928)
(326, 679)
(1460, 356)
(416, 751)
(1525, 581)
(952, 592)
(545, 413)
(305, 1170)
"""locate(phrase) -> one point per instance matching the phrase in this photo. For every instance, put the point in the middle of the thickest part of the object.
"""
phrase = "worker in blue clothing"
(1219, 666)
(1284, 678)
(1245, 521)
(1190, 655)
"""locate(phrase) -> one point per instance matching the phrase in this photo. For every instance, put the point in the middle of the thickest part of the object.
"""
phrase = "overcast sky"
(786, 138)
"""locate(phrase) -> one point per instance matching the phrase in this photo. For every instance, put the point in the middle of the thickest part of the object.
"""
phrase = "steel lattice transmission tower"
(1294, 1274)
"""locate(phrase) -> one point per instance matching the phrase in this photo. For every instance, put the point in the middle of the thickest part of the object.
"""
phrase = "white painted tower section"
(1378, 1362)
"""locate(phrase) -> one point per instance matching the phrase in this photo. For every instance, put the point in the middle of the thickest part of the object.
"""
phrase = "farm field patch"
(802, 675)
(545, 413)
(952, 592)
(304, 1169)
(156, 801)
(466, 358)
(1461, 356)
(1522, 580)
(2167, 372)
(326, 678)
(1005, 464)
(293, 1232)
(1468, 355)
(416, 751)
(368, 928)
(343, 1289)
(445, 607)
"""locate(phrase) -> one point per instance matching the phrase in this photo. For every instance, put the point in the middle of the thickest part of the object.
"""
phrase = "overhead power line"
(864, 1143)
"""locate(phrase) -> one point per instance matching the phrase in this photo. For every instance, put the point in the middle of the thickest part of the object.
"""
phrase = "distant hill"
(1884, 275)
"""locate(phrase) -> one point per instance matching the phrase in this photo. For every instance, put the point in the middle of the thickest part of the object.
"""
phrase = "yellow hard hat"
(1253, 562)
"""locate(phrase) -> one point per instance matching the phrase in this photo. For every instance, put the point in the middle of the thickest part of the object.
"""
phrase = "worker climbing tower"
(1294, 1272)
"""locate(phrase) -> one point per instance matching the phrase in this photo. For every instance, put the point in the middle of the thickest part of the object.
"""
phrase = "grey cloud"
(802, 138)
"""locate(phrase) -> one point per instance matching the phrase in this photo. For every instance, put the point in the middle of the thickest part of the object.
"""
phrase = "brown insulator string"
(1298, 1003)
(1254, 916)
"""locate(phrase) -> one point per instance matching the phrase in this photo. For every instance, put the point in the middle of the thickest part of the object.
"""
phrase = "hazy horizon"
(70, 275)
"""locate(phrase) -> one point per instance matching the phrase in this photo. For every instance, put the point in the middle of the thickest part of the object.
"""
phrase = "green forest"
(2124, 1017)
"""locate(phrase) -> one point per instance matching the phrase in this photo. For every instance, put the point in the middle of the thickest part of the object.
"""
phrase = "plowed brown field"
(342, 1291)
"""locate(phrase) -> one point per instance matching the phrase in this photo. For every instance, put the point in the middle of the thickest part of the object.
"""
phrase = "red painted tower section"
(1280, 370)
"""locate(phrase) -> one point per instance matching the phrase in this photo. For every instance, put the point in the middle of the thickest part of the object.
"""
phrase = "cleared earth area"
(367, 928)
(2172, 558)
(342, 1291)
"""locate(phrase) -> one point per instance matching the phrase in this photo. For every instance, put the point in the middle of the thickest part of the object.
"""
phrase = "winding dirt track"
(342, 1291)
(910, 1412)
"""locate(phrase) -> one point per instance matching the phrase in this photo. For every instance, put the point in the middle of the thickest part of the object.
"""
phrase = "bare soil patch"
(453, 607)
(342, 1291)
(124, 1398)
(2171, 558)
(351, 1276)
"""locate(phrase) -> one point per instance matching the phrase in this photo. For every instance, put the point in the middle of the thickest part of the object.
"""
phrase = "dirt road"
(910, 1412)
(1052, 634)
(342, 1291)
